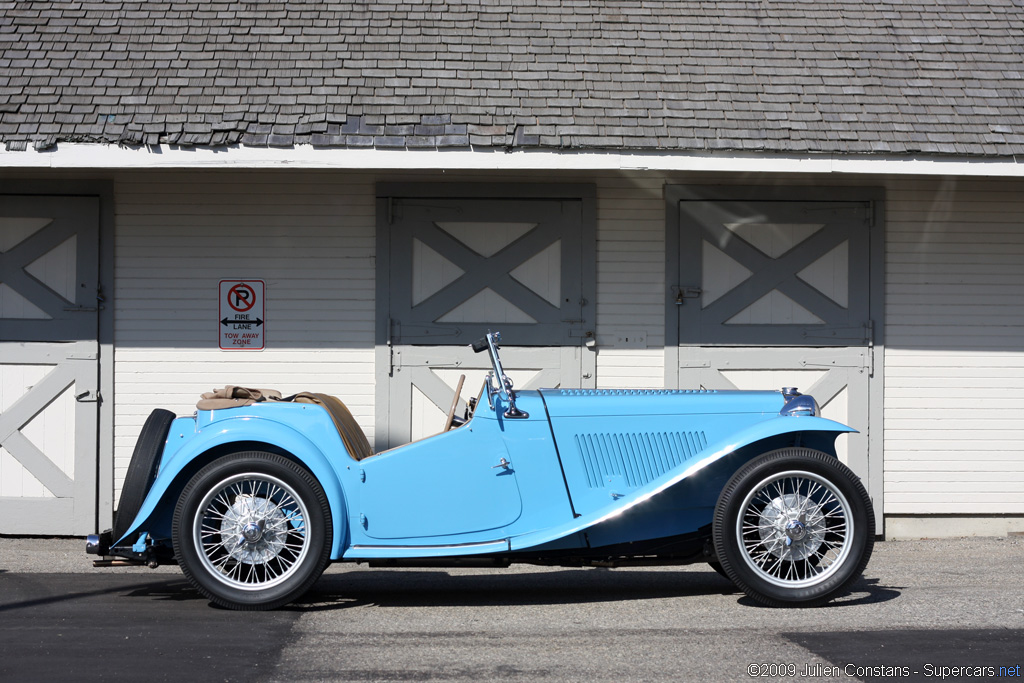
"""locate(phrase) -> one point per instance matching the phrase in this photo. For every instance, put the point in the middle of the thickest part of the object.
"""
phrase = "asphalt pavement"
(948, 609)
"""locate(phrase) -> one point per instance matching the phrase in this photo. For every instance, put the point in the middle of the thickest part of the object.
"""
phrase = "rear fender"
(777, 432)
(184, 456)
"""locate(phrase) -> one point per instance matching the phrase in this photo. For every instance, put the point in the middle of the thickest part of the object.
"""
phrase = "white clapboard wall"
(308, 236)
(954, 362)
(631, 281)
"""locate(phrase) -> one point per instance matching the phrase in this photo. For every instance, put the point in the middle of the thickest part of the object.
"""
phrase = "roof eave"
(81, 156)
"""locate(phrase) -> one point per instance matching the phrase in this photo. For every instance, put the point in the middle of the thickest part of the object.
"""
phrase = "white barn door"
(458, 267)
(777, 293)
(49, 275)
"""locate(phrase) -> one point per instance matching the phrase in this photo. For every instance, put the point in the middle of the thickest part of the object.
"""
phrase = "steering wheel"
(455, 404)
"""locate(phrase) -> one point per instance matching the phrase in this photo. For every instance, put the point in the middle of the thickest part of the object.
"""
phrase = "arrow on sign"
(225, 322)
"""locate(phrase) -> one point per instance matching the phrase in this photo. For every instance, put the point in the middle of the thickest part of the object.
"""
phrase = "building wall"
(954, 336)
(953, 331)
(954, 361)
(630, 280)
(310, 237)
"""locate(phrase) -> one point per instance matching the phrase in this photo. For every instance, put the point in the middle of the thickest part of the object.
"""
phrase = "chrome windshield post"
(504, 383)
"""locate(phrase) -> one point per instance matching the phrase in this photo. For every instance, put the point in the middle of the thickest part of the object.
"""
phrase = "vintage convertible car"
(253, 502)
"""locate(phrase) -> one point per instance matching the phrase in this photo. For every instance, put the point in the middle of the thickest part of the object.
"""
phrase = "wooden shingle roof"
(823, 77)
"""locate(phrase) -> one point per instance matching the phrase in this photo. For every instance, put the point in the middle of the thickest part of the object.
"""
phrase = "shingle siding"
(943, 77)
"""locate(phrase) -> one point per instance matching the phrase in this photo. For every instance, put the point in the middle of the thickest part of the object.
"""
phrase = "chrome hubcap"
(260, 527)
(794, 529)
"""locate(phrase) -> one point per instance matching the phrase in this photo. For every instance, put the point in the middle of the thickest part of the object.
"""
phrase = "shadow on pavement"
(417, 588)
(916, 653)
(862, 592)
(411, 587)
(125, 588)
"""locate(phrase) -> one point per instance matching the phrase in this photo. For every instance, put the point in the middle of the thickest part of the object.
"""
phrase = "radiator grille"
(637, 457)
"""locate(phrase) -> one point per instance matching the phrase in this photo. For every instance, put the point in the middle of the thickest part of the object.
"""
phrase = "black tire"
(141, 470)
(252, 531)
(793, 527)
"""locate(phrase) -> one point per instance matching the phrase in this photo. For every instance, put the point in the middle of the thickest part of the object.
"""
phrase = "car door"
(450, 484)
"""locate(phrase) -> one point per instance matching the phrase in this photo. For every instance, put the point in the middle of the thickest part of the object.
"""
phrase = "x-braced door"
(777, 293)
(49, 279)
(458, 267)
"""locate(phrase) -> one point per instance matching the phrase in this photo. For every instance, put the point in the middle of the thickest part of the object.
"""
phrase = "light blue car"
(254, 502)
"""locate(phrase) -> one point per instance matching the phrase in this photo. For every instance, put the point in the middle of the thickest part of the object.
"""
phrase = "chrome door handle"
(504, 463)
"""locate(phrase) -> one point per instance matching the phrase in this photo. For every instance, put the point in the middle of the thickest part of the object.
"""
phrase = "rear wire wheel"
(252, 531)
(793, 527)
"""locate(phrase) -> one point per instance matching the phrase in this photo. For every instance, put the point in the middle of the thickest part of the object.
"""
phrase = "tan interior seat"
(351, 433)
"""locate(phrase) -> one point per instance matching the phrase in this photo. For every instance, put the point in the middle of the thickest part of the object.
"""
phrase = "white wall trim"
(97, 156)
(914, 527)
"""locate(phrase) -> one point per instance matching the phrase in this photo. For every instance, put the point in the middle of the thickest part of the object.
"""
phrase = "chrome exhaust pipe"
(98, 544)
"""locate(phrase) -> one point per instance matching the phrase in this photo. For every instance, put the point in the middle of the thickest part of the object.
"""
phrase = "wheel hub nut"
(252, 532)
(796, 530)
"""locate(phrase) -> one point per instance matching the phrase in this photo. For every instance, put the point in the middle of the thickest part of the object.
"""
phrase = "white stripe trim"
(96, 156)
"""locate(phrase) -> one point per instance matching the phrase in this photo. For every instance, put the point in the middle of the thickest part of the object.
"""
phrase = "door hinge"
(426, 333)
(862, 362)
(870, 331)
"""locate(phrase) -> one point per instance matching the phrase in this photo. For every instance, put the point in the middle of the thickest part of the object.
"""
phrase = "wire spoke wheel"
(252, 530)
(793, 527)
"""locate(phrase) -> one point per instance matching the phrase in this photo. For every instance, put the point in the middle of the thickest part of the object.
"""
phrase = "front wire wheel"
(252, 531)
(793, 527)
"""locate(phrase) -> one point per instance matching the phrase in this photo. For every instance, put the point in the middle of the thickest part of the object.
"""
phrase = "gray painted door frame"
(100, 512)
(570, 324)
(864, 347)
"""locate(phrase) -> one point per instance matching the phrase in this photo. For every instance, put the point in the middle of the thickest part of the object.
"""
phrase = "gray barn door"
(458, 267)
(49, 275)
(777, 293)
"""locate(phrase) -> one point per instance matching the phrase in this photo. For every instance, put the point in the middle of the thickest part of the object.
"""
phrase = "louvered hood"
(612, 403)
(612, 442)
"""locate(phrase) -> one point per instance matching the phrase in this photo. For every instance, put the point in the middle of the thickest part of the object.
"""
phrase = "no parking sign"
(240, 316)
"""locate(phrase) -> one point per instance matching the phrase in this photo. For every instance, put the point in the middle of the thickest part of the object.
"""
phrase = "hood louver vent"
(637, 458)
(633, 392)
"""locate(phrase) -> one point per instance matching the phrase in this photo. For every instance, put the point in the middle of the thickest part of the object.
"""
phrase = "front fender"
(189, 449)
(820, 432)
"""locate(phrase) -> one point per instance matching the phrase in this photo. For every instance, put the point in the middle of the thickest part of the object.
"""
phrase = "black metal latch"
(683, 293)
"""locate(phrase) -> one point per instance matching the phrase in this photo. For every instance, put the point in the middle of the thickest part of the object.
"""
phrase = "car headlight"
(799, 405)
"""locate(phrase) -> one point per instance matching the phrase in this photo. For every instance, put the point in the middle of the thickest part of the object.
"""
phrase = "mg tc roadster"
(256, 496)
